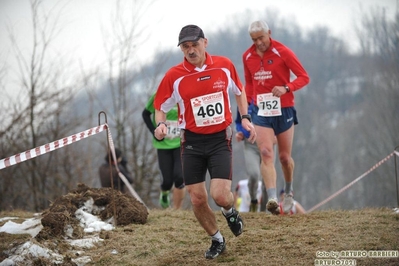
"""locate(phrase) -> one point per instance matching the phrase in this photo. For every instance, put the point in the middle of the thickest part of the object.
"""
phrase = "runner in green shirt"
(168, 151)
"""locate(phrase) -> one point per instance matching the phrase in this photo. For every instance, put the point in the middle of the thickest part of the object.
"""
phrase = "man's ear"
(205, 42)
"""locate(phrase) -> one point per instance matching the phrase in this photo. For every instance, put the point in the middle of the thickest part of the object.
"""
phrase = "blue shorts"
(278, 123)
(201, 153)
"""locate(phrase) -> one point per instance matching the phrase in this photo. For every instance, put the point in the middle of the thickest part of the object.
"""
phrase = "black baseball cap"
(190, 33)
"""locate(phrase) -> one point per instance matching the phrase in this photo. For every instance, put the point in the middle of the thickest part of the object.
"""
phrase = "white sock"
(218, 237)
(227, 212)
(271, 193)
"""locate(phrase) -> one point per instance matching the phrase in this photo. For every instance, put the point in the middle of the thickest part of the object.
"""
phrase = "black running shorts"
(202, 152)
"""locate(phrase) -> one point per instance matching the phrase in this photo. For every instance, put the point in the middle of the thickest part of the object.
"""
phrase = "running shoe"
(235, 222)
(216, 249)
(288, 202)
(272, 206)
(254, 206)
(164, 199)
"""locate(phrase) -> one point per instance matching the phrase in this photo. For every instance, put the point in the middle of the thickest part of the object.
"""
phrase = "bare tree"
(39, 116)
(121, 44)
(125, 91)
(378, 120)
(360, 126)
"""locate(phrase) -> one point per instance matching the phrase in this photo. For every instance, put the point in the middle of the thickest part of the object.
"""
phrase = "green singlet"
(172, 139)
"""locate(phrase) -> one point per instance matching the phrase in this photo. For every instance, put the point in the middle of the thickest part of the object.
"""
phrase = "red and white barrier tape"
(20, 157)
(353, 182)
(124, 179)
(49, 147)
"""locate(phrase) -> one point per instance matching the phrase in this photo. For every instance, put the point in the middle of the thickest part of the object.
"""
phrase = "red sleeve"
(235, 77)
(164, 91)
(249, 89)
(293, 63)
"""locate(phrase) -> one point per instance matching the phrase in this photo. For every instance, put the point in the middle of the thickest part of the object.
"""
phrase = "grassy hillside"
(175, 238)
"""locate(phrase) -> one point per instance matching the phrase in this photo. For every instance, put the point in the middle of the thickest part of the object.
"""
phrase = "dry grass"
(175, 238)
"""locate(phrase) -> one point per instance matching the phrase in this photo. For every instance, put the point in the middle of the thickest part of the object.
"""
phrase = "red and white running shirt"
(202, 94)
(274, 69)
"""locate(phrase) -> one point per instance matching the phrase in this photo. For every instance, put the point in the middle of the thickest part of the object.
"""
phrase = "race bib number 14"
(268, 104)
(173, 130)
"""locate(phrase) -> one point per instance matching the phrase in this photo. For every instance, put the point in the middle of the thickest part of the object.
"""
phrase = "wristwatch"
(287, 89)
(246, 117)
(162, 123)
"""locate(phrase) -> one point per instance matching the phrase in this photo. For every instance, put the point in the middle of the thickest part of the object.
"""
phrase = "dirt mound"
(107, 203)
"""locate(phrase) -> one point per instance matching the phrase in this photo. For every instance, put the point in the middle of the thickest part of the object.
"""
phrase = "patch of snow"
(81, 261)
(85, 242)
(30, 226)
(68, 230)
(90, 222)
(7, 218)
(7, 262)
(29, 249)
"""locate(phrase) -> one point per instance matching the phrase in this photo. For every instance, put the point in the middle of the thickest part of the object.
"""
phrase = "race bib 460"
(208, 109)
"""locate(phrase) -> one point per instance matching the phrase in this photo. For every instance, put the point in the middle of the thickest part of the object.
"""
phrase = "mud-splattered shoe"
(235, 222)
(216, 249)
(273, 206)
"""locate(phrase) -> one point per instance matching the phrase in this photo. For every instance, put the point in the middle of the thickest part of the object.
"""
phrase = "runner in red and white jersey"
(268, 65)
(202, 94)
(200, 86)
(262, 74)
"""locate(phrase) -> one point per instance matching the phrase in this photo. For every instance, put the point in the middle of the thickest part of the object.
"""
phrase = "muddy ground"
(108, 203)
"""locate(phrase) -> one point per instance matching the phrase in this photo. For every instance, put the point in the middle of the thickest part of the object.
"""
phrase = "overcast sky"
(82, 21)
